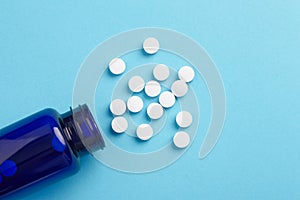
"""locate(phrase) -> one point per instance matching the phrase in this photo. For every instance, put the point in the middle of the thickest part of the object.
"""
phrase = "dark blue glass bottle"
(44, 145)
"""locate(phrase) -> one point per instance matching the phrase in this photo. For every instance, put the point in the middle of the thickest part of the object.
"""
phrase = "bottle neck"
(81, 131)
(72, 135)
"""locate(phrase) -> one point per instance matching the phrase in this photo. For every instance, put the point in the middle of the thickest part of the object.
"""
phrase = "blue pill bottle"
(46, 145)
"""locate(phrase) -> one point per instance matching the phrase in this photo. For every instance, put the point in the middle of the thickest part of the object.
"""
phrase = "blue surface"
(256, 48)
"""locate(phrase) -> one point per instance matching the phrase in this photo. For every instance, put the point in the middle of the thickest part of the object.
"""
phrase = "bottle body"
(37, 147)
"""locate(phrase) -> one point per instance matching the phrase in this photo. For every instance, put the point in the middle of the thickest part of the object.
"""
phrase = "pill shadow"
(145, 54)
(174, 148)
(113, 133)
(139, 141)
(111, 75)
(175, 125)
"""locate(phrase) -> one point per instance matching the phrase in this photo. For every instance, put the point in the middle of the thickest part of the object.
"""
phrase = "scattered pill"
(119, 124)
(117, 107)
(136, 84)
(151, 45)
(186, 74)
(144, 131)
(179, 88)
(117, 66)
(155, 111)
(152, 88)
(184, 119)
(167, 99)
(181, 139)
(135, 104)
(161, 72)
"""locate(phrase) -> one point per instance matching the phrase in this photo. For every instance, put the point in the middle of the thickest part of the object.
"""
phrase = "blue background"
(256, 48)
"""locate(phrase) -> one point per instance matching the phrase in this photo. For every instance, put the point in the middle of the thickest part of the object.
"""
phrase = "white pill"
(136, 84)
(144, 131)
(179, 88)
(135, 104)
(117, 107)
(181, 139)
(184, 119)
(167, 99)
(155, 111)
(117, 66)
(119, 124)
(161, 72)
(186, 74)
(151, 45)
(152, 88)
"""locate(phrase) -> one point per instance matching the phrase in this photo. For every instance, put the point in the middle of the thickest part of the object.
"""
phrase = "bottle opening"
(83, 130)
(87, 129)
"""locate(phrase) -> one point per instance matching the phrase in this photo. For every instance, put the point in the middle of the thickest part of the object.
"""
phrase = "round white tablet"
(117, 66)
(155, 111)
(136, 84)
(135, 104)
(181, 139)
(119, 124)
(186, 74)
(152, 88)
(117, 107)
(167, 99)
(179, 88)
(161, 72)
(151, 45)
(184, 119)
(144, 131)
